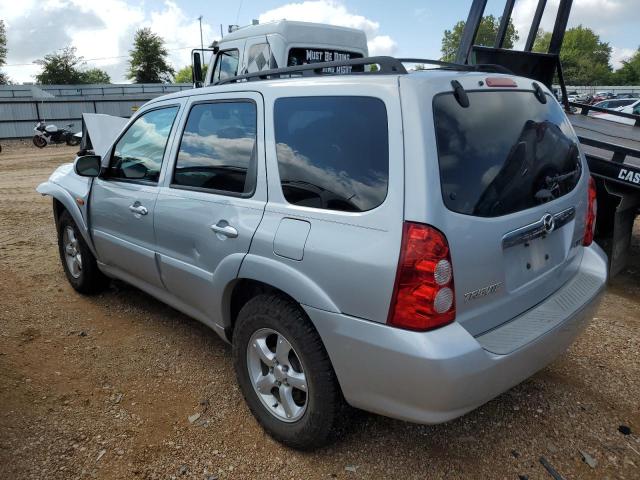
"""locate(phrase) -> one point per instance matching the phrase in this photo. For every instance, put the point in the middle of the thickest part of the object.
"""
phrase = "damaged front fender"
(72, 191)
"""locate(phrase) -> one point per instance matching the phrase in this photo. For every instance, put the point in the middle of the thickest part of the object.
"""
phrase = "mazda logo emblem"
(548, 223)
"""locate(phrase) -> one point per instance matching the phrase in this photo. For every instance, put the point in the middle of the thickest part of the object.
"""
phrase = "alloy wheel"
(72, 252)
(277, 375)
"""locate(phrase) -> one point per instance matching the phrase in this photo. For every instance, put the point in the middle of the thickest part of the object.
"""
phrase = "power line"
(95, 59)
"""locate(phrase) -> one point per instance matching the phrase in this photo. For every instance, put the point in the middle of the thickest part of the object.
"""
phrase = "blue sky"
(417, 25)
(103, 29)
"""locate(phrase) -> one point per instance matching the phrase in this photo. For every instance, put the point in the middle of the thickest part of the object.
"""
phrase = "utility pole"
(201, 42)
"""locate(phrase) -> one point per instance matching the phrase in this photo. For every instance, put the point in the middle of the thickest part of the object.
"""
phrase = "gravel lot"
(103, 387)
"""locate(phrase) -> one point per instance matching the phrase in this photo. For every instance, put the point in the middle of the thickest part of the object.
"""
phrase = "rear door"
(214, 194)
(509, 191)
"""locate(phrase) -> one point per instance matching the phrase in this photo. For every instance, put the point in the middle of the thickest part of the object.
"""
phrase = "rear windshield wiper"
(552, 181)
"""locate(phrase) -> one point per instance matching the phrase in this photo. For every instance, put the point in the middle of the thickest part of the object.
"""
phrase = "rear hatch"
(510, 197)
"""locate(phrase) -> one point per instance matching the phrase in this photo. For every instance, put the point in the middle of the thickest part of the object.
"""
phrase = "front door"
(212, 198)
(124, 198)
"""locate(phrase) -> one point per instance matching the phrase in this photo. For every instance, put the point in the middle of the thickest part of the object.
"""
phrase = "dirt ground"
(102, 387)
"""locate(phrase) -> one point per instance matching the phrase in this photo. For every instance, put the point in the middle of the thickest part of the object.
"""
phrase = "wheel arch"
(63, 201)
(259, 275)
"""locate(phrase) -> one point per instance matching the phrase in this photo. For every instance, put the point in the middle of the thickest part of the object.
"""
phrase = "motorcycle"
(51, 134)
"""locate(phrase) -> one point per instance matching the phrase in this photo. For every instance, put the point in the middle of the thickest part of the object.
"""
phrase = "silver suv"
(408, 244)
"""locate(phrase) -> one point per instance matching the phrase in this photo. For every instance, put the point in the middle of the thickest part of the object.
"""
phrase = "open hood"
(99, 131)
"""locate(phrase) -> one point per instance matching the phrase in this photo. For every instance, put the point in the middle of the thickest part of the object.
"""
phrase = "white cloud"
(620, 54)
(99, 29)
(382, 45)
(602, 16)
(333, 13)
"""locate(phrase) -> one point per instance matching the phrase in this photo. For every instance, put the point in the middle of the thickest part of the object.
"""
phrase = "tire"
(324, 406)
(85, 277)
(39, 142)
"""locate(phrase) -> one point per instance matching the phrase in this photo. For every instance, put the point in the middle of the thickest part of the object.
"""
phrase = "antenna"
(201, 42)
(238, 14)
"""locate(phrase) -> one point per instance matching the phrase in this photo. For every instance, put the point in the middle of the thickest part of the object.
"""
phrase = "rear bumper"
(432, 377)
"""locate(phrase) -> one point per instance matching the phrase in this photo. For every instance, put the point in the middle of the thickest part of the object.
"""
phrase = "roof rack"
(386, 66)
(481, 67)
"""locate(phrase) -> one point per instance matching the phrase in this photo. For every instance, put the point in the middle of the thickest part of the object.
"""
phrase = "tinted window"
(260, 58)
(333, 152)
(217, 150)
(138, 154)
(226, 65)
(504, 153)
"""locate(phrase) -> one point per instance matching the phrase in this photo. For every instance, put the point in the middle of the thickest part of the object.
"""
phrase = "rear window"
(333, 152)
(504, 153)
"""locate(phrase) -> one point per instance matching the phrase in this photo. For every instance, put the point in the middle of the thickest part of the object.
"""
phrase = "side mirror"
(88, 165)
(196, 70)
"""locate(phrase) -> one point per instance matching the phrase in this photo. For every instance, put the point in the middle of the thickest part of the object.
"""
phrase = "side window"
(138, 154)
(218, 148)
(226, 65)
(636, 109)
(260, 58)
(333, 152)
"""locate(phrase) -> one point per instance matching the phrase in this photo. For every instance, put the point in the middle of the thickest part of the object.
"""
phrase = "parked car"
(614, 104)
(628, 95)
(582, 98)
(384, 239)
(634, 109)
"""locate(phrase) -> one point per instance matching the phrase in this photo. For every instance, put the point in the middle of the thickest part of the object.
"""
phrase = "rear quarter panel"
(350, 258)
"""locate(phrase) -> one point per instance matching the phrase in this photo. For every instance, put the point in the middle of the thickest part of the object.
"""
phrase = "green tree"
(60, 68)
(3, 52)
(629, 73)
(486, 36)
(585, 58)
(148, 62)
(64, 67)
(95, 75)
(542, 41)
(184, 75)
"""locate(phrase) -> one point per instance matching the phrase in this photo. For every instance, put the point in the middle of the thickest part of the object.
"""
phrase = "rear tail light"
(423, 295)
(592, 210)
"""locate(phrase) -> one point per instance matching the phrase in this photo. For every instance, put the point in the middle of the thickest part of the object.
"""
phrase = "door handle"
(223, 228)
(138, 209)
